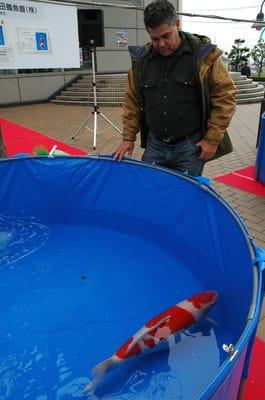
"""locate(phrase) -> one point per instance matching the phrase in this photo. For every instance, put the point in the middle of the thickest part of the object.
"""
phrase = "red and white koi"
(172, 321)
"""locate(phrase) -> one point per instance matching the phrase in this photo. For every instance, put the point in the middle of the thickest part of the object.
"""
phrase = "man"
(179, 93)
(245, 70)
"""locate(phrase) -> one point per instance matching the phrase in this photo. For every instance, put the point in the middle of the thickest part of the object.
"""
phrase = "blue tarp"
(181, 216)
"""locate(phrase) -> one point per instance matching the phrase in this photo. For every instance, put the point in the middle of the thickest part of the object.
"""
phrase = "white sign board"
(38, 35)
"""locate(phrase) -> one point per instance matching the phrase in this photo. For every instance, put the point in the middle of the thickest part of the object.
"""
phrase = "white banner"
(38, 35)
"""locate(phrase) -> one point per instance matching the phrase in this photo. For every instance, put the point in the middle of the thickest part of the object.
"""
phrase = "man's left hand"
(208, 150)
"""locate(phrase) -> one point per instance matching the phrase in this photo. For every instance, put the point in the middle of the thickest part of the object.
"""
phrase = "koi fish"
(172, 321)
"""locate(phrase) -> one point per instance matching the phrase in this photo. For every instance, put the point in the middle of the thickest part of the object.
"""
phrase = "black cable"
(101, 4)
(261, 6)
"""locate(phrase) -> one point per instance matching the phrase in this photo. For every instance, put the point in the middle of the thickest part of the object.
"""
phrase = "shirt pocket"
(151, 93)
(186, 90)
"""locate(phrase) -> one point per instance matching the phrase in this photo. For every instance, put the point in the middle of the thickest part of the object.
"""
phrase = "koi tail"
(90, 387)
(98, 372)
(100, 369)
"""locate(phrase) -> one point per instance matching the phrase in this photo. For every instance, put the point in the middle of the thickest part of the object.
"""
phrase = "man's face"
(165, 38)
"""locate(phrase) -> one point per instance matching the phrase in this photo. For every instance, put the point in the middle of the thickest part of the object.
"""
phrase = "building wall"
(112, 58)
(31, 88)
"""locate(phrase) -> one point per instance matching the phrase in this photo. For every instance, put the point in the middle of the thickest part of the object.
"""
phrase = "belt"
(171, 140)
(174, 140)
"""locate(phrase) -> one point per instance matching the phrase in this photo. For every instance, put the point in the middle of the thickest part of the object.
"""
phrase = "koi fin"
(143, 332)
(187, 333)
(212, 321)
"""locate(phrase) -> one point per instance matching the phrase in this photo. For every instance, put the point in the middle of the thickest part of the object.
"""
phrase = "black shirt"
(172, 93)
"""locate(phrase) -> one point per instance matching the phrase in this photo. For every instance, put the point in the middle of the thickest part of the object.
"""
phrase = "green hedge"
(260, 78)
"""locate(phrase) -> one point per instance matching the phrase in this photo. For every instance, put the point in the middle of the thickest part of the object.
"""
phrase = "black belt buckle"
(174, 140)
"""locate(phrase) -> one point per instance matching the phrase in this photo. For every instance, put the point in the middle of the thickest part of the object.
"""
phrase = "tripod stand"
(96, 111)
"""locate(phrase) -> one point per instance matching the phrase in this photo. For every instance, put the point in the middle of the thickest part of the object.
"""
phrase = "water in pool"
(74, 288)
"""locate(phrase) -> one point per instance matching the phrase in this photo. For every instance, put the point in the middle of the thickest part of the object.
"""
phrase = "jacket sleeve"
(131, 110)
(222, 101)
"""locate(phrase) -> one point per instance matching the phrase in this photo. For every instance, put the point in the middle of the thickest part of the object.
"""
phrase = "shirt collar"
(185, 46)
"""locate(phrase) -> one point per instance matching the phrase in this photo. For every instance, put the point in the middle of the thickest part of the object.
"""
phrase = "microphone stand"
(96, 111)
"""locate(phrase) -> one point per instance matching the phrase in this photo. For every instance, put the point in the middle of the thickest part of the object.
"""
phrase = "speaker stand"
(96, 112)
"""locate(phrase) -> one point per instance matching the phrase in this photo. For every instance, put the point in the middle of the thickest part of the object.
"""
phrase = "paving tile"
(261, 329)
(253, 218)
(256, 227)
(258, 236)
(262, 314)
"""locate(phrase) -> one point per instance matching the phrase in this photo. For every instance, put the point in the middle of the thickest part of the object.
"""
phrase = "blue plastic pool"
(90, 250)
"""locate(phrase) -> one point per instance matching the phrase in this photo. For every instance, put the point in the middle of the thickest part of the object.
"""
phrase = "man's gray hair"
(159, 12)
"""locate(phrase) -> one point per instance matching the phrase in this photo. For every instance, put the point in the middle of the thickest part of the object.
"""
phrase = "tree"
(238, 54)
(258, 55)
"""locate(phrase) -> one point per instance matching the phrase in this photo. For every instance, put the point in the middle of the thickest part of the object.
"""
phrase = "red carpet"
(19, 139)
(255, 387)
(243, 179)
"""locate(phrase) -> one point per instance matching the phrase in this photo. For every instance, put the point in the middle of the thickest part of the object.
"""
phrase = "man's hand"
(208, 150)
(125, 146)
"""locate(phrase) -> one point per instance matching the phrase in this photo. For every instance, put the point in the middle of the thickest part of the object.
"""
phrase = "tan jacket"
(221, 92)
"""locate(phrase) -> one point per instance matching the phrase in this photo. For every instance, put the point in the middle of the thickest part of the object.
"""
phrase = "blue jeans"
(182, 156)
